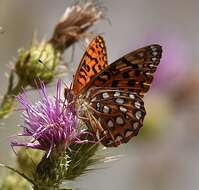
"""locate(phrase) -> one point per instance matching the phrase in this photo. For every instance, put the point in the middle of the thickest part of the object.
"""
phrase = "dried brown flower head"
(74, 23)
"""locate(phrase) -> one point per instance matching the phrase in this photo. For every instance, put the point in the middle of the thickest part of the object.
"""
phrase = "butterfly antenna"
(37, 83)
(71, 85)
(72, 54)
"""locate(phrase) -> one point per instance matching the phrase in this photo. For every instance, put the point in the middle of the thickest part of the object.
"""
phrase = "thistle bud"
(38, 62)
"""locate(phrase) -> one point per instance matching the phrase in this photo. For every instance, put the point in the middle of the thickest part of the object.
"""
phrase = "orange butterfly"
(108, 98)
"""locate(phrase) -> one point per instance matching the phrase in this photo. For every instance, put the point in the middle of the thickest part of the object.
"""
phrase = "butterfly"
(108, 98)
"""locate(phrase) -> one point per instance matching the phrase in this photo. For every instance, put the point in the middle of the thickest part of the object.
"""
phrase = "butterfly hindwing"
(132, 72)
(94, 60)
(115, 115)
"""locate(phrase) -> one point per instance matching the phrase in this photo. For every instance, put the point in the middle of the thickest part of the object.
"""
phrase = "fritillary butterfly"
(108, 98)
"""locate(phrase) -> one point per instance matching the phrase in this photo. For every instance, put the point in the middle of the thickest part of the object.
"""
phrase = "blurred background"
(165, 154)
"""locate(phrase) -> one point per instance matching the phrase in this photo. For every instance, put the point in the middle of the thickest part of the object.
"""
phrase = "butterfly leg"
(82, 116)
(96, 126)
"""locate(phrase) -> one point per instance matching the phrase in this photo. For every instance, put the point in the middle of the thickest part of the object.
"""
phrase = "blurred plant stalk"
(42, 61)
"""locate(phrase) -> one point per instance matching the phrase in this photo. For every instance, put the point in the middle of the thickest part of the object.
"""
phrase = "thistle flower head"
(39, 61)
(50, 123)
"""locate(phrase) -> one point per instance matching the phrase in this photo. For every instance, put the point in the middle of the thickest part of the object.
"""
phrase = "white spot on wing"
(119, 120)
(119, 139)
(137, 105)
(151, 65)
(148, 73)
(116, 94)
(135, 125)
(123, 109)
(106, 109)
(153, 48)
(154, 59)
(155, 53)
(131, 96)
(128, 133)
(110, 123)
(105, 95)
(138, 114)
(119, 100)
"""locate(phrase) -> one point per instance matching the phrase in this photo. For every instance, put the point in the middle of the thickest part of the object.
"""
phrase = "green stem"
(8, 101)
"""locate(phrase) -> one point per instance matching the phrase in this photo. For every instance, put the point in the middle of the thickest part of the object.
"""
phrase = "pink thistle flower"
(51, 123)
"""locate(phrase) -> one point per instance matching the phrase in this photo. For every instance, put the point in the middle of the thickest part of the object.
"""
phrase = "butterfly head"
(69, 94)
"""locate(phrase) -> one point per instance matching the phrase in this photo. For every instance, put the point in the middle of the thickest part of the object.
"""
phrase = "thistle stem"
(8, 101)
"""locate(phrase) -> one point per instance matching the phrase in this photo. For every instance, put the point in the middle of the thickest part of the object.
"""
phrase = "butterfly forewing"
(132, 72)
(115, 115)
(94, 60)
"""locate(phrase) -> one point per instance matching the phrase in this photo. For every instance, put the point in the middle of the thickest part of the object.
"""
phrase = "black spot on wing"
(134, 66)
(131, 82)
(125, 74)
(115, 83)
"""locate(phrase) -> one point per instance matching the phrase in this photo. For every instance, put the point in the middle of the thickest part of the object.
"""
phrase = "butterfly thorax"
(81, 105)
